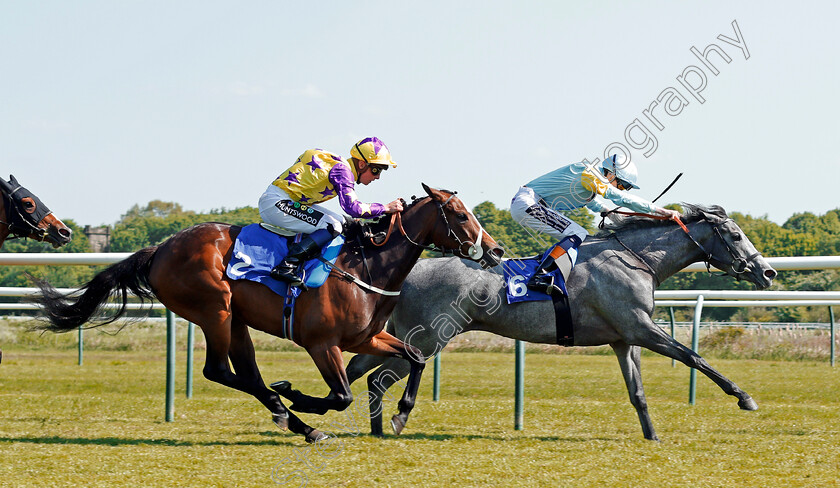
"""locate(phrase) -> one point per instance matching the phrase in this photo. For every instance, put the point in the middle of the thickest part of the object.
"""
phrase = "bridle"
(474, 251)
(20, 223)
(738, 264)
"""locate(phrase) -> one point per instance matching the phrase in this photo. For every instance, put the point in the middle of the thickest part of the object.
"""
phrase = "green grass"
(101, 424)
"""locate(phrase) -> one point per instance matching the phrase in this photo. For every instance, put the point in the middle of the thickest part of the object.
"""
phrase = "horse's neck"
(390, 264)
(666, 249)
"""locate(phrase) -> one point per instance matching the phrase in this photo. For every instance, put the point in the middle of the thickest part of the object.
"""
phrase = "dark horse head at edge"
(23, 214)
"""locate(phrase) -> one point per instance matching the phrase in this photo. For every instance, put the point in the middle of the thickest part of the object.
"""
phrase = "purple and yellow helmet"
(373, 151)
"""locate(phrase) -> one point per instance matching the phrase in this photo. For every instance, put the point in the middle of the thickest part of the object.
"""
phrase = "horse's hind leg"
(244, 362)
(655, 339)
(330, 363)
(384, 344)
(360, 364)
(629, 358)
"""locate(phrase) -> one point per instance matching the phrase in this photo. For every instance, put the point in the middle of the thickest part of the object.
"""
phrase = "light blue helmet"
(623, 168)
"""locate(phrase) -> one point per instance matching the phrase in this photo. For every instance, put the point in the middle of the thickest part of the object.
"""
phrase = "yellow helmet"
(372, 151)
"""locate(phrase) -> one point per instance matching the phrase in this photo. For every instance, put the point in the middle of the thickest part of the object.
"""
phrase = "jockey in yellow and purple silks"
(538, 204)
(291, 201)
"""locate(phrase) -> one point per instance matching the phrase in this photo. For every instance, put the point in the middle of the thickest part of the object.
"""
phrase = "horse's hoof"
(281, 420)
(281, 387)
(315, 436)
(397, 424)
(747, 404)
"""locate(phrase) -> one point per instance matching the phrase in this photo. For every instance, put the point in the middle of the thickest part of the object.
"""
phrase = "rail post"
(190, 345)
(81, 345)
(170, 366)
(695, 333)
(673, 333)
(519, 400)
(436, 383)
(831, 349)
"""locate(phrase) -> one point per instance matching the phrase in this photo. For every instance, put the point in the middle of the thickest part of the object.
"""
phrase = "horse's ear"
(5, 185)
(13, 180)
(428, 190)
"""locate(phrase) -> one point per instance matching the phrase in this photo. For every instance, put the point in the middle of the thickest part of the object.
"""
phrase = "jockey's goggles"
(623, 185)
(375, 169)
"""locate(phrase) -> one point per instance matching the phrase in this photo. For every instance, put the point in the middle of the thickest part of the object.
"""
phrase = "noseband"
(738, 264)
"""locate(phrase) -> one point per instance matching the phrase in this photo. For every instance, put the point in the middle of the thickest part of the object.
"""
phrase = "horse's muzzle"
(763, 276)
(58, 236)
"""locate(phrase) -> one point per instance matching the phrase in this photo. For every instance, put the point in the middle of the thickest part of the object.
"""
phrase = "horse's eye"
(736, 236)
(28, 204)
(462, 216)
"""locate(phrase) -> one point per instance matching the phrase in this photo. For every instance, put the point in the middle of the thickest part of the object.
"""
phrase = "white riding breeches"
(279, 209)
(526, 209)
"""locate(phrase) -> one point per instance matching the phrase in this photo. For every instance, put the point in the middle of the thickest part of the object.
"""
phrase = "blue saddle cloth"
(256, 251)
(519, 270)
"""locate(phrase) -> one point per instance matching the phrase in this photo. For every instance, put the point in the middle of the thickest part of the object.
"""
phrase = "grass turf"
(101, 424)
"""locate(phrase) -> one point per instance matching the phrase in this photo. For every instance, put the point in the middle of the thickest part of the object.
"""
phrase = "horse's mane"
(691, 213)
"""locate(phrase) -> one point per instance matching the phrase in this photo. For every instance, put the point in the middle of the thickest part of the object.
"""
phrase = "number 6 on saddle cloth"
(519, 270)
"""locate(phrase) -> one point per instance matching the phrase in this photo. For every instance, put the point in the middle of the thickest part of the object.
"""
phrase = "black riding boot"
(289, 269)
(543, 282)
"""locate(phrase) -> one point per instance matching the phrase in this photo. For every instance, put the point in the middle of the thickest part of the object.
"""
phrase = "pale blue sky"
(106, 104)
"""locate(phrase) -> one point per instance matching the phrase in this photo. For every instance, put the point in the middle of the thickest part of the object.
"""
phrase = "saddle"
(257, 250)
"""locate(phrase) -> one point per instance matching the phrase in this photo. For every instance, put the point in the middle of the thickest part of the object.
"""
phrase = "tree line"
(803, 234)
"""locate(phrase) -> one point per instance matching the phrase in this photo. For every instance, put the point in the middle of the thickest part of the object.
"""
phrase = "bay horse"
(187, 274)
(610, 295)
(24, 215)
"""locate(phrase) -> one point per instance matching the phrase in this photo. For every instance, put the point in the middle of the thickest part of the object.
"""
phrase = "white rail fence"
(664, 298)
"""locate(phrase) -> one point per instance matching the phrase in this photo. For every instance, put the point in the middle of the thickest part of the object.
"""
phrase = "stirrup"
(543, 283)
(288, 273)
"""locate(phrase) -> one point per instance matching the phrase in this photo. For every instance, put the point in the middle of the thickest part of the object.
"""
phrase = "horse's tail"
(64, 312)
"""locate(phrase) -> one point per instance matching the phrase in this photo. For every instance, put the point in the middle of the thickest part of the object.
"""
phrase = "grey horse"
(610, 295)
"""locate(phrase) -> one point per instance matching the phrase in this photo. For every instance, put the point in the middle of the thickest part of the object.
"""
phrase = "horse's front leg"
(655, 339)
(384, 344)
(331, 365)
(629, 360)
(392, 371)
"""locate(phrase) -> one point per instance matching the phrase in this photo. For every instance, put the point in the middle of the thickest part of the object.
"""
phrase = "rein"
(635, 255)
(738, 268)
(474, 252)
(396, 218)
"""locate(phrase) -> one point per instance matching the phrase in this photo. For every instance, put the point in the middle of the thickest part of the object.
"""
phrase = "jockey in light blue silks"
(291, 201)
(537, 205)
